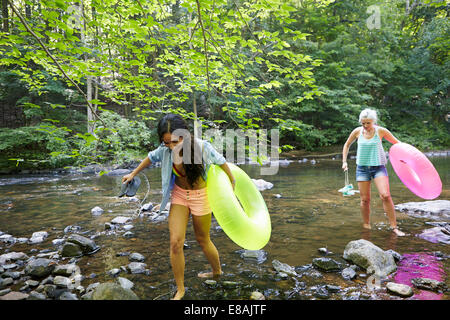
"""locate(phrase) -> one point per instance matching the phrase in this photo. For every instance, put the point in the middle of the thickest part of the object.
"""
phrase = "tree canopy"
(85, 81)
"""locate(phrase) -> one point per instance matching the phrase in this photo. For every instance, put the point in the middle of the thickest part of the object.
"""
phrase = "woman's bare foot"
(179, 295)
(398, 232)
(367, 226)
(209, 274)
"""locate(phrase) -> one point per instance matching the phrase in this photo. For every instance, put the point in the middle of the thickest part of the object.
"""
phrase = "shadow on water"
(307, 213)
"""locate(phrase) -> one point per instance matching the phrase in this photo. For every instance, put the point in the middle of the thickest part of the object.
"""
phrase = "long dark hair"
(168, 124)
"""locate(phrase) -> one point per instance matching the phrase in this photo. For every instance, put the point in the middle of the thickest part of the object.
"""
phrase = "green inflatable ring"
(247, 225)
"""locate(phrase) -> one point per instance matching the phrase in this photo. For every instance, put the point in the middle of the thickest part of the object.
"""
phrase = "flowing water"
(310, 214)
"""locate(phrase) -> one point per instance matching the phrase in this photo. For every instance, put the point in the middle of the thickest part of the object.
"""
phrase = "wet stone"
(349, 273)
(136, 257)
(429, 284)
(283, 268)
(401, 290)
(326, 264)
(71, 250)
(258, 256)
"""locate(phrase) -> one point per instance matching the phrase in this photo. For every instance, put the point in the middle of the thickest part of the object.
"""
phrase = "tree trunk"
(5, 16)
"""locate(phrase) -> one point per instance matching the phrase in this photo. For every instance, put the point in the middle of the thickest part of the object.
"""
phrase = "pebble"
(96, 211)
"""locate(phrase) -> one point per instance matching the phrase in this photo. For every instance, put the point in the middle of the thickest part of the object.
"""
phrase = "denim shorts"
(367, 173)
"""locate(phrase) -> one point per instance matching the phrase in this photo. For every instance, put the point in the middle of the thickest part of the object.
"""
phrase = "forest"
(85, 82)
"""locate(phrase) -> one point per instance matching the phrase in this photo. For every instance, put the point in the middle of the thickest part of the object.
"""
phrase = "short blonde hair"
(368, 114)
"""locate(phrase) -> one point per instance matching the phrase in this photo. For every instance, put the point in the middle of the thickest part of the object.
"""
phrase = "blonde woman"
(371, 165)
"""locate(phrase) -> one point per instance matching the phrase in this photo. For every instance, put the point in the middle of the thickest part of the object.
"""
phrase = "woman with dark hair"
(185, 161)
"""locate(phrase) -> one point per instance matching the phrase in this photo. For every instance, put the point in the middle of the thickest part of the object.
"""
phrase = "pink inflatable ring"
(415, 171)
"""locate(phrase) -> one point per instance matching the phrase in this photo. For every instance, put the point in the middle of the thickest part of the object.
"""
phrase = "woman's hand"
(344, 166)
(127, 178)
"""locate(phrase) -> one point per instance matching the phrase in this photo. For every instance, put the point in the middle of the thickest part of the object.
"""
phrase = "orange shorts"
(195, 200)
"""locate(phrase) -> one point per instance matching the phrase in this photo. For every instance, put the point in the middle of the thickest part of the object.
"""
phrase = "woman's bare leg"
(178, 219)
(382, 184)
(364, 193)
(202, 225)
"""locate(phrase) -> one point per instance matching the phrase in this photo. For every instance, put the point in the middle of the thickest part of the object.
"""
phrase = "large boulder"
(113, 291)
(370, 257)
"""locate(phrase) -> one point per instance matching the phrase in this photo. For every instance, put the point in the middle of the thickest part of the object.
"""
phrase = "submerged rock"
(258, 256)
(326, 264)
(370, 257)
(113, 291)
(429, 284)
(284, 268)
(436, 235)
(96, 211)
(262, 185)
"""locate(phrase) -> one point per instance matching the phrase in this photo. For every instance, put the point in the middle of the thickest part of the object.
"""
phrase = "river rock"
(262, 185)
(86, 245)
(96, 211)
(65, 270)
(284, 268)
(326, 264)
(429, 284)
(68, 296)
(14, 295)
(113, 291)
(349, 273)
(4, 282)
(118, 172)
(258, 256)
(436, 235)
(256, 295)
(7, 238)
(12, 256)
(33, 295)
(399, 289)
(136, 257)
(71, 250)
(40, 268)
(428, 209)
(62, 282)
(125, 283)
(121, 220)
(370, 257)
(137, 267)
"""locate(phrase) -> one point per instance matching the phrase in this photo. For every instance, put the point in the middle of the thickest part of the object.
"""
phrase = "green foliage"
(305, 67)
(120, 141)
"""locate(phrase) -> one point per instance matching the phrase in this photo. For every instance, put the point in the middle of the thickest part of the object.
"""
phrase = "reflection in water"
(310, 214)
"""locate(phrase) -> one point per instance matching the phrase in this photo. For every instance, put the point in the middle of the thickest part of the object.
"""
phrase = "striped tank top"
(370, 151)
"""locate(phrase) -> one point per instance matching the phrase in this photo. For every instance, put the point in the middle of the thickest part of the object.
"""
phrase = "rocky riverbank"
(361, 271)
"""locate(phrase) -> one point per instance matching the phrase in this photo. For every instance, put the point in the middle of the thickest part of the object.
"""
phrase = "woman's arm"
(227, 170)
(385, 133)
(351, 138)
(144, 164)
